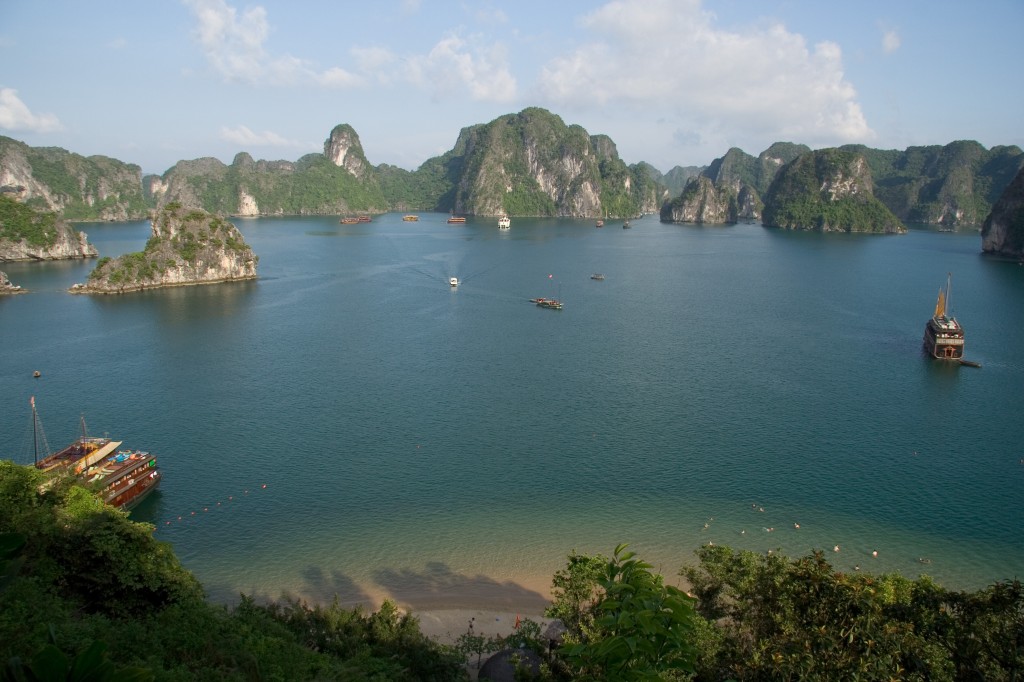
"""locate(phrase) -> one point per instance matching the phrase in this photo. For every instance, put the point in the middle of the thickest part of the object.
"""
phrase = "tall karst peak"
(343, 149)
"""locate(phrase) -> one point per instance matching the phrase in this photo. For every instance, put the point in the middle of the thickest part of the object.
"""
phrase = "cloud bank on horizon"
(670, 81)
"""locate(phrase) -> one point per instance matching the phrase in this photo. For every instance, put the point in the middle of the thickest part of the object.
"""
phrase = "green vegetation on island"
(828, 190)
(79, 187)
(82, 586)
(20, 222)
(187, 246)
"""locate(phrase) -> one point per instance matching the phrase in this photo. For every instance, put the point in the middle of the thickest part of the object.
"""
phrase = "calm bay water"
(450, 447)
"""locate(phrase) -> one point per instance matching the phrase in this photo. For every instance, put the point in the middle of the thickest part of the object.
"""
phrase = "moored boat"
(943, 335)
(599, 223)
(349, 220)
(125, 477)
(364, 219)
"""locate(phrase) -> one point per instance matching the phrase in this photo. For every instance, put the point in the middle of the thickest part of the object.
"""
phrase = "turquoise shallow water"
(450, 447)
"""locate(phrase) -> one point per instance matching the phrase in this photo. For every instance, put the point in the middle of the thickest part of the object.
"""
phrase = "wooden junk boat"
(943, 335)
(122, 477)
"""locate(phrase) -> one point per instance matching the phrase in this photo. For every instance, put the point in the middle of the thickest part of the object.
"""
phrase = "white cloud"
(233, 43)
(762, 82)
(14, 115)
(890, 41)
(454, 67)
(242, 135)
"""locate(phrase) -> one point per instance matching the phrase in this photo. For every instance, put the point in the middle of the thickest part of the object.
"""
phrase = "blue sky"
(672, 82)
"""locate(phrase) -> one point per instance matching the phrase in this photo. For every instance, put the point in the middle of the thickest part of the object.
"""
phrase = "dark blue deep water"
(450, 447)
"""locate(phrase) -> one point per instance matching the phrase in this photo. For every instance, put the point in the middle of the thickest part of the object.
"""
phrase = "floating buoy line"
(206, 509)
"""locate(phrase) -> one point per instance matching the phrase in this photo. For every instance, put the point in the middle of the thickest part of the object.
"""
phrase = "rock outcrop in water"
(188, 246)
(1003, 231)
(7, 287)
(828, 190)
(26, 234)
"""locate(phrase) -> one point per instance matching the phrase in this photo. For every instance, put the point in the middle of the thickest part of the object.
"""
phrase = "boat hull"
(943, 339)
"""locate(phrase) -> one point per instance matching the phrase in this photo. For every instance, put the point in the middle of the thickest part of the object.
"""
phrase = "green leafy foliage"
(96, 583)
(20, 222)
(637, 627)
(769, 617)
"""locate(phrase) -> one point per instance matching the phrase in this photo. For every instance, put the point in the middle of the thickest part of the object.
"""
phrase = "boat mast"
(37, 433)
(949, 279)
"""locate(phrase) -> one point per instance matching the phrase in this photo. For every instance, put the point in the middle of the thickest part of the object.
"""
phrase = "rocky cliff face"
(737, 183)
(1003, 231)
(188, 246)
(703, 203)
(7, 287)
(80, 188)
(26, 234)
(344, 149)
(529, 163)
(827, 190)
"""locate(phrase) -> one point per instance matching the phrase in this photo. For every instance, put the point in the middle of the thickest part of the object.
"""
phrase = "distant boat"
(943, 335)
(453, 281)
(349, 220)
(456, 219)
(599, 223)
(597, 275)
(552, 303)
(410, 218)
(126, 477)
(504, 222)
(626, 225)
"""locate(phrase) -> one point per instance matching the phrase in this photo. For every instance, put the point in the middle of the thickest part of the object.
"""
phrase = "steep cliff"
(80, 188)
(338, 181)
(533, 164)
(188, 246)
(731, 187)
(828, 190)
(1003, 231)
(703, 203)
(26, 234)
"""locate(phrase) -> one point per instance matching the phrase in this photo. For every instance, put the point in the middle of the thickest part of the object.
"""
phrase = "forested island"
(187, 246)
(533, 164)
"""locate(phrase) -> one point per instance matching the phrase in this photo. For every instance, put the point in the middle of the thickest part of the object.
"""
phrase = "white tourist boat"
(504, 222)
